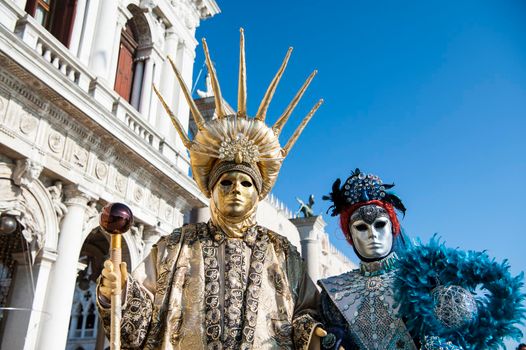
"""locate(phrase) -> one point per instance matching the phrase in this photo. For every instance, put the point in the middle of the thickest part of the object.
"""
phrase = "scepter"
(115, 219)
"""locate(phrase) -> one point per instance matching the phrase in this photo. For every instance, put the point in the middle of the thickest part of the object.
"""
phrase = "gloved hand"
(315, 342)
(108, 280)
(336, 339)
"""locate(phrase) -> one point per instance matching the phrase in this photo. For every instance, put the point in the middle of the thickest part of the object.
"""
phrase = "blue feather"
(424, 267)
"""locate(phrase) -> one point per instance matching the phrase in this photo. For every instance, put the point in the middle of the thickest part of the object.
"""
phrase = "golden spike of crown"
(262, 110)
(180, 130)
(300, 128)
(242, 81)
(290, 108)
(215, 83)
(237, 138)
(198, 118)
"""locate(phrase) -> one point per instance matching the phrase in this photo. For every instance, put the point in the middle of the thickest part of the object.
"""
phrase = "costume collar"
(378, 267)
(249, 237)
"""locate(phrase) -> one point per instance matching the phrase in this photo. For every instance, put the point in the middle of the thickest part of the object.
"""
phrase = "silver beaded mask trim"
(368, 213)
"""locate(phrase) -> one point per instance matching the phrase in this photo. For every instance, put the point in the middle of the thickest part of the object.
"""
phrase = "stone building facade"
(79, 128)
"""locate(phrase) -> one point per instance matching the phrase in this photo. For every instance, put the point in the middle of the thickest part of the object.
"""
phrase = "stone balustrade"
(33, 36)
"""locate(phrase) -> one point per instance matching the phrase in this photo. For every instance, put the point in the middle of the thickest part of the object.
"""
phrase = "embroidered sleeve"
(136, 315)
(304, 326)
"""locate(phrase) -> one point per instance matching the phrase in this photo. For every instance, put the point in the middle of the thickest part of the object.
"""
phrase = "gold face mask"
(234, 194)
(234, 203)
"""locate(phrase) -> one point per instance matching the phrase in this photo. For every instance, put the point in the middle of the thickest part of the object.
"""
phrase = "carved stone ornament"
(92, 212)
(80, 157)
(55, 192)
(120, 183)
(138, 194)
(55, 142)
(137, 234)
(153, 202)
(168, 213)
(27, 123)
(184, 10)
(26, 172)
(76, 196)
(101, 170)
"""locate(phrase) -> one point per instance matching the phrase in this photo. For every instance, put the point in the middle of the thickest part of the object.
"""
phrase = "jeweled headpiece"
(361, 189)
(237, 142)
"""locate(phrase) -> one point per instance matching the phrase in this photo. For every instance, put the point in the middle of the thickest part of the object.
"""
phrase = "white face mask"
(371, 231)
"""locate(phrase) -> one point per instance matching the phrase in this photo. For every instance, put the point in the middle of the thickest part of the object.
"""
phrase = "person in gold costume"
(228, 283)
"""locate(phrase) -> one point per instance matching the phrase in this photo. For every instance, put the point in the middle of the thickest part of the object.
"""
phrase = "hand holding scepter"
(115, 219)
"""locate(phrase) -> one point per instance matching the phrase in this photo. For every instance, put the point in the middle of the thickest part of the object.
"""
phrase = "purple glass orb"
(116, 218)
(8, 224)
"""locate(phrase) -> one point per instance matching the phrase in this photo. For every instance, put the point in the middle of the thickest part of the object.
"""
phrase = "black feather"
(336, 186)
(336, 197)
(396, 202)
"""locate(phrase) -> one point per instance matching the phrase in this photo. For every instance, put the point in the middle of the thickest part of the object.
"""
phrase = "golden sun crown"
(236, 138)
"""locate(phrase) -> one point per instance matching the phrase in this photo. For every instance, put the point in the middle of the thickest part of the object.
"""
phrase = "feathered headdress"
(362, 189)
(358, 188)
(237, 142)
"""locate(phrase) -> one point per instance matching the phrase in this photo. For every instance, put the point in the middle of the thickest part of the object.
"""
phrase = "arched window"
(57, 16)
(91, 317)
(75, 323)
(126, 65)
(91, 322)
(134, 64)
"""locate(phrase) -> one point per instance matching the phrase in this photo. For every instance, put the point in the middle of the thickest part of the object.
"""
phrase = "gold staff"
(115, 219)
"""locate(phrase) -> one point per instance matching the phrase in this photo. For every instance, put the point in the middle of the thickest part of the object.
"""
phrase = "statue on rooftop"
(306, 209)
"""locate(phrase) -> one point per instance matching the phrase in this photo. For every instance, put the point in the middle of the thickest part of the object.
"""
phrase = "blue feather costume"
(424, 297)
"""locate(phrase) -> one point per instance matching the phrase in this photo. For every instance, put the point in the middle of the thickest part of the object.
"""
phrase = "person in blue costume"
(406, 296)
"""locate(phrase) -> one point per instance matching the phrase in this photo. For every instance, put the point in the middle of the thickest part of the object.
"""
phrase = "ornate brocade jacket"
(199, 289)
(361, 303)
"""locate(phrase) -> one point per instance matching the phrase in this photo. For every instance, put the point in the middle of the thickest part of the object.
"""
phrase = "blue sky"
(430, 95)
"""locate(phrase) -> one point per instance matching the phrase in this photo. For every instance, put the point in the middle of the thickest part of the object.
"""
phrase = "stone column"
(78, 25)
(310, 230)
(135, 100)
(44, 263)
(158, 58)
(144, 106)
(168, 88)
(58, 304)
(88, 32)
(21, 299)
(185, 63)
(103, 47)
(29, 302)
